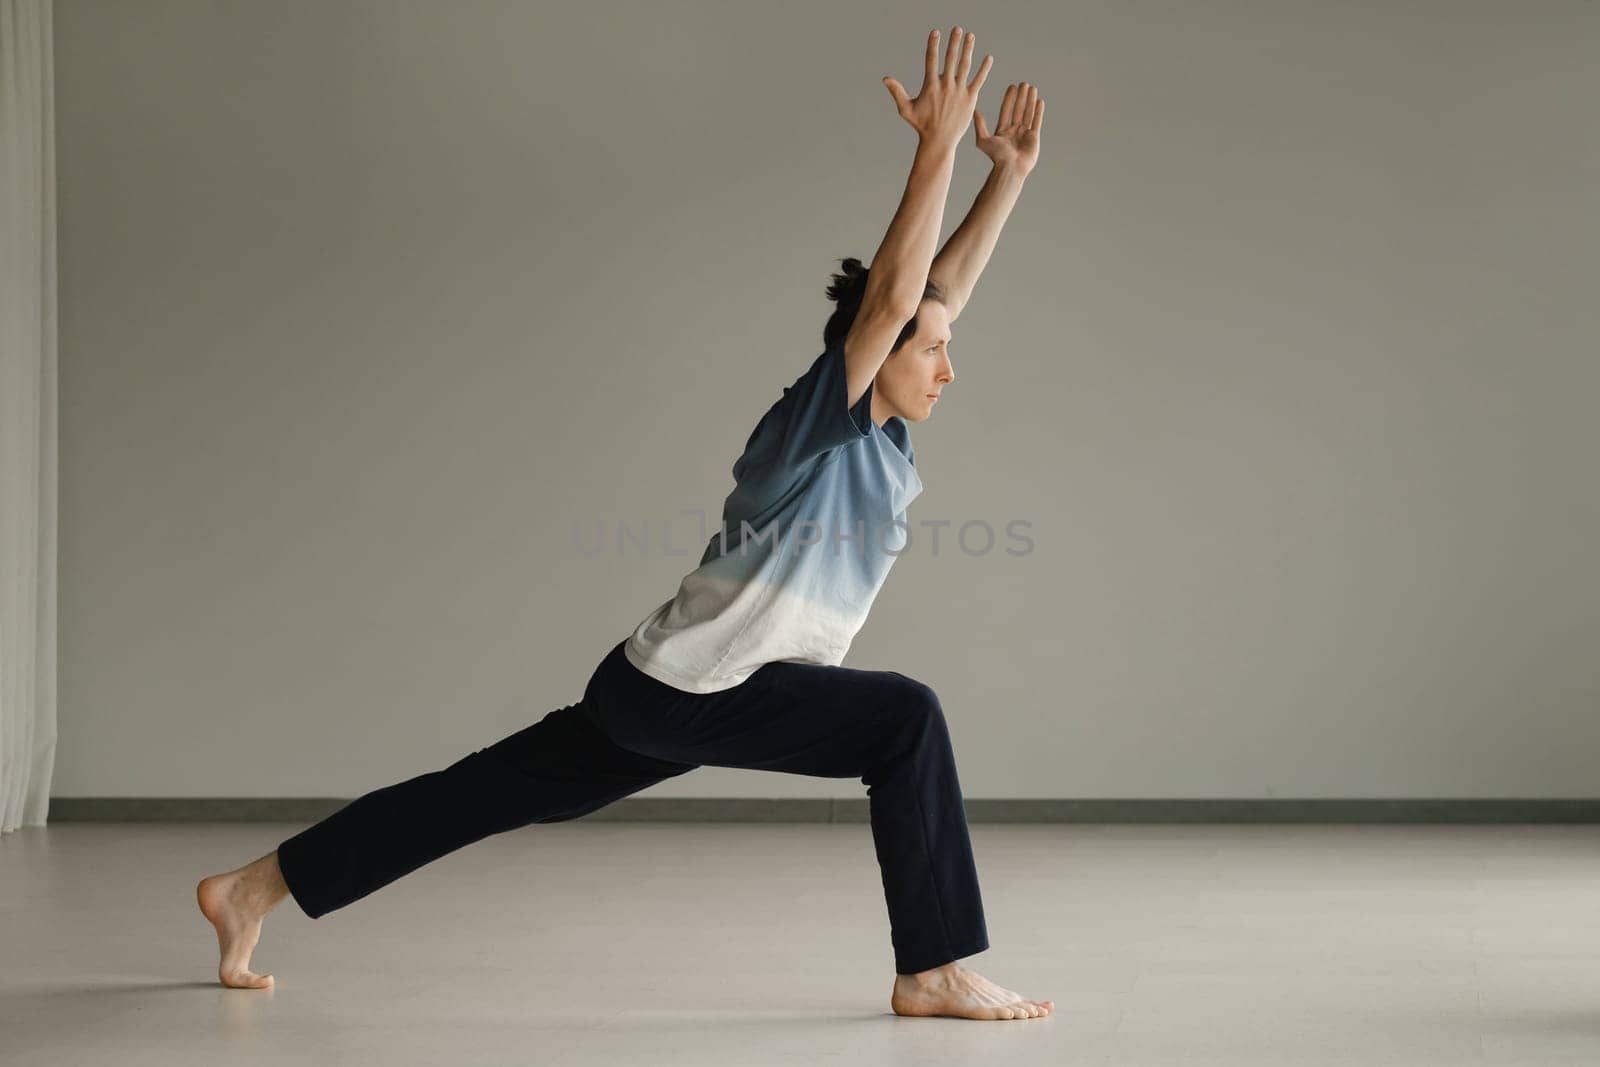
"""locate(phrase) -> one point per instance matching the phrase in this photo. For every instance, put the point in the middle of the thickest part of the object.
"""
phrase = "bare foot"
(235, 903)
(954, 990)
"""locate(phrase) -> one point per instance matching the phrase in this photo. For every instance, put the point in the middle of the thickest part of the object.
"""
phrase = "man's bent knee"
(919, 701)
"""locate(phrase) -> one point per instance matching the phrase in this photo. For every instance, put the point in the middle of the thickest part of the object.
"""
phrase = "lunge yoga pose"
(741, 668)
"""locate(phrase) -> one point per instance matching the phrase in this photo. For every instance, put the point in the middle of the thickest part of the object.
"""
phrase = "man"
(741, 668)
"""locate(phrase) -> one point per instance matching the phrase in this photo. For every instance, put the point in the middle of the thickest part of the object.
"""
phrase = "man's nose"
(948, 373)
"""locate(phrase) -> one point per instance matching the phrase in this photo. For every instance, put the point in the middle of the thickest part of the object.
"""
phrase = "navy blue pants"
(631, 731)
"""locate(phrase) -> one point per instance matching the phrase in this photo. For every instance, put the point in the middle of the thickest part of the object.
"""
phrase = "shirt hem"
(666, 677)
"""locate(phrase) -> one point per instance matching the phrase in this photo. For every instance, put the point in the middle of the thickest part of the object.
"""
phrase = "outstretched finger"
(966, 58)
(930, 69)
(980, 129)
(951, 54)
(901, 103)
(1038, 116)
(1007, 106)
(983, 73)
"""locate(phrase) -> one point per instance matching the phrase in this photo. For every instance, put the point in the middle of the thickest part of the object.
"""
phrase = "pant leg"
(833, 722)
(559, 768)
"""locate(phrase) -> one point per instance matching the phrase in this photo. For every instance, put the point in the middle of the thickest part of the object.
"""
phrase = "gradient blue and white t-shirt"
(809, 532)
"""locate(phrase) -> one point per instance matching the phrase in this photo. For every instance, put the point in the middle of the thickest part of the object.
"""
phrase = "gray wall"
(1288, 356)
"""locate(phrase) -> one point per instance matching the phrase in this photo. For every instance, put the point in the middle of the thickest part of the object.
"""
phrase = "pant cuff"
(289, 867)
(927, 962)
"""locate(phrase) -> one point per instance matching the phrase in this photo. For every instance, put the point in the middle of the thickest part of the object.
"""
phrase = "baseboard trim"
(806, 809)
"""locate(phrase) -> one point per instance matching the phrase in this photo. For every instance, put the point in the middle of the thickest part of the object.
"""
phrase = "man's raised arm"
(1014, 148)
(940, 114)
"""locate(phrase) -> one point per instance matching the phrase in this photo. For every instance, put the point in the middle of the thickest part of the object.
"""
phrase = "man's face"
(913, 375)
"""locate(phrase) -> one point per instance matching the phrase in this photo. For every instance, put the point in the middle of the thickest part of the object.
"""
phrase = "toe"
(246, 980)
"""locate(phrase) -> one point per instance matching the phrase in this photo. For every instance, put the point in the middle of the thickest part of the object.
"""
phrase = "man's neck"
(878, 409)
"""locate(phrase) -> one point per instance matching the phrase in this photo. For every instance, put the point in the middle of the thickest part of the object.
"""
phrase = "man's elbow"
(951, 295)
(894, 297)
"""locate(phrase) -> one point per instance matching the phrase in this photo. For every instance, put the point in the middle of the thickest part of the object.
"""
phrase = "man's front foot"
(955, 991)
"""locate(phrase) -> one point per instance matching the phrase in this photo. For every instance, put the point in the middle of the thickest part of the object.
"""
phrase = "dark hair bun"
(850, 284)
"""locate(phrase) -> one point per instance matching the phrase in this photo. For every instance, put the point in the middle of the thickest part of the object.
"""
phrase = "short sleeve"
(806, 422)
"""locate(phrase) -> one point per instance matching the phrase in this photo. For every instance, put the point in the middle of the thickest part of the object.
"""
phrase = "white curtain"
(27, 414)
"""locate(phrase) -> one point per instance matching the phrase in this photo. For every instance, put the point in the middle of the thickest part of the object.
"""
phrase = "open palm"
(1015, 140)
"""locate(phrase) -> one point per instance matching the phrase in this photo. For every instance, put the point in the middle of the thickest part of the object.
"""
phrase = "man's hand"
(943, 107)
(1015, 141)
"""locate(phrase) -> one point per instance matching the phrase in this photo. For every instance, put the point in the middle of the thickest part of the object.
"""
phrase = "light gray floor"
(726, 943)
